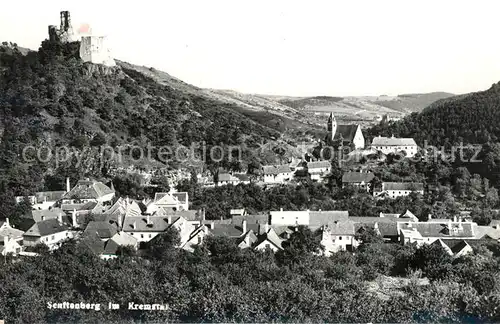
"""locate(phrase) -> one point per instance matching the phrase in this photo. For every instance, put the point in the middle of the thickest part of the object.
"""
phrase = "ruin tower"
(65, 32)
(65, 21)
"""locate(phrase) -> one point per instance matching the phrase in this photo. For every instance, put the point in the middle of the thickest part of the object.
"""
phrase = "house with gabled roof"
(268, 240)
(104, 229)
(117, 241)
(361, 180)
(195, 237)
(50, 232)
(386, 226)
(318, 169)
(88, 191)
(432, 231)
(176, 201)
(393, 144)
(277, 174)
(455, 248)
(399, 189)
(232, 179)
(338, 236)
(13, 233)
(10, 238)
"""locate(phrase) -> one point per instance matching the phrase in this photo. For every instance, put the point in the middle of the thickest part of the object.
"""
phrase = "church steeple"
(332, 126)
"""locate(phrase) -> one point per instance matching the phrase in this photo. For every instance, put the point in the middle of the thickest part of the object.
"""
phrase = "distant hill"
(413, 102)
(472, 118)
(367, 109)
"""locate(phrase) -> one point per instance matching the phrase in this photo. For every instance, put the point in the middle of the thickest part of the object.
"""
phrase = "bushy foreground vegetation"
(219, 282)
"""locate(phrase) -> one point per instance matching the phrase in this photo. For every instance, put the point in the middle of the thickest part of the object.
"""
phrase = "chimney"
(68, 186)
(381, 214)
(170, 219)
(59, 218)
(7, 222)
(266, 227)
(429, 217)
(134, 225)
(119, 221)
(455, 219)
(5, 241)
(73, 218)
(281, 209)
(203, 214)
(148, 219)
(244, 226)
(128, 200)
(43, 217)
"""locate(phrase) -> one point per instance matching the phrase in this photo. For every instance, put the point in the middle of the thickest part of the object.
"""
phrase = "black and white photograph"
(217, 161)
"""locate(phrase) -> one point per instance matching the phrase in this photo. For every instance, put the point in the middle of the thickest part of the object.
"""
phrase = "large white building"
(393, 144)
(95, 49)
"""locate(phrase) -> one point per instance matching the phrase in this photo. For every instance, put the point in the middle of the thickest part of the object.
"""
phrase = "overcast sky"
(299, 48)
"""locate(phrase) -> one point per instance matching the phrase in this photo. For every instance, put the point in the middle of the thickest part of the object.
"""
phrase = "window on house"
(52, 237)
(142, 235)
(340, 237)
(149, 235)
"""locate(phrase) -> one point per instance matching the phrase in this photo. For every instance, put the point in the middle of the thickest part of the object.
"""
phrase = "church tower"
(332, 126)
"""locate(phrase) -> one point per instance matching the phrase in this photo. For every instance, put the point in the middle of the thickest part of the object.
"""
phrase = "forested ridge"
(49, 97)
(470, 119)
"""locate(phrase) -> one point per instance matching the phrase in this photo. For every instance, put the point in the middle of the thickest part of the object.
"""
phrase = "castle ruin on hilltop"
(93, 48)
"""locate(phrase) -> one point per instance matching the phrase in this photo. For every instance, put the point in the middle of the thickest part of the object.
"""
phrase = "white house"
(318, 169)
(338, 236)
(234, 179)
(50, 232)
(358, 179)
(393, 144)
(289, 218)
(177, 201)
(277, 173)
(269, 240)
(399, 189)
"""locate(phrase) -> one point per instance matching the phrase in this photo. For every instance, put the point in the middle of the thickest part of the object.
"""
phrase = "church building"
(344, 135)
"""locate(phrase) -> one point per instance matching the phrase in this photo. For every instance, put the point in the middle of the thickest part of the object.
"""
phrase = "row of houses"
(106, 225)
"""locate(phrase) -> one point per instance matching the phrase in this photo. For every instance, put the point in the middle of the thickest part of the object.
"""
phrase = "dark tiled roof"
(251, 219)
(47, 227)
(456, 245)
(347, 131)
(104, 229)
(326, 217)
(242, 177)
(93, 242)
(157, 224)
(441, 230)
(88, 189)
(37, 215)
(49, 195)
(229, 230)
(276, 169)
(226, 177)
(415, 186)
(181, 196)
(386, 228)
(356, 177)
(319, 164)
